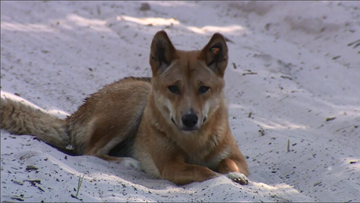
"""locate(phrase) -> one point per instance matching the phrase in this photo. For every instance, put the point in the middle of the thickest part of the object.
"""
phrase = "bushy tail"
(20, 118)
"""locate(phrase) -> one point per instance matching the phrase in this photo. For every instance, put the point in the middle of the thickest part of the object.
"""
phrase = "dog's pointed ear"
(162, 53)
(215, 54)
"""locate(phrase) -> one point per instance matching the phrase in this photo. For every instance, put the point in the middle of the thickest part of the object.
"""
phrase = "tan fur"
(144, 119)
(16, 117)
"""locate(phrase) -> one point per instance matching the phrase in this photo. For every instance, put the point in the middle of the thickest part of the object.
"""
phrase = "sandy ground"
(293, 86)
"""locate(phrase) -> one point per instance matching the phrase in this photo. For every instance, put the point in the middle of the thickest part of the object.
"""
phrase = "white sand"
(54, 54)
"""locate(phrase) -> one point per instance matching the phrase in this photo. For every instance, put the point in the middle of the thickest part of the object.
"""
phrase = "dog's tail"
(21, 118)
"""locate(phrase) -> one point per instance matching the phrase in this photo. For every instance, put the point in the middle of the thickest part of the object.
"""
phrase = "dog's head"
(188, 85)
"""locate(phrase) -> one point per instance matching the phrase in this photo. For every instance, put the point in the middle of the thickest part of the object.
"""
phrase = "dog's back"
(109, 117)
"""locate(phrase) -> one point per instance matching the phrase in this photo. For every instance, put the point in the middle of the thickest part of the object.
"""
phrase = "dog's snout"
(189, 120)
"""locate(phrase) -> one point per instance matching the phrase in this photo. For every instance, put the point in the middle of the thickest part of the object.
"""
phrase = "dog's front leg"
(234, 171)
(181, 173)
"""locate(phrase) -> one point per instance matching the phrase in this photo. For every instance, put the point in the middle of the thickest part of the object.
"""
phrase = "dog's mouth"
(184, 128)
(189, 130)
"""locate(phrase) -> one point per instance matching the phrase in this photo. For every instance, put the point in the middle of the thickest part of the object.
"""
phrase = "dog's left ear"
(215, 54)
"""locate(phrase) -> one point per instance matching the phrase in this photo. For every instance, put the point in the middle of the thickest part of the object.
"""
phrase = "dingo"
(175, 123)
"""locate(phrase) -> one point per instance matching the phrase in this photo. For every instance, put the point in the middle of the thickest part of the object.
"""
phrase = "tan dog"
(175, 123)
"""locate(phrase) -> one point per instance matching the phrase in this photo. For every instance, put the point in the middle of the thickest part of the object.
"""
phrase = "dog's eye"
(174, 89)
(203, 89)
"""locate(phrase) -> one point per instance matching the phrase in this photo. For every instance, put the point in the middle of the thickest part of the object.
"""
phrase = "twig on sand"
(34, 182)
(336, 57)
(288, 146)
(286, 77)
(261, 131)
(31, 168)
(17, 182)
(354, 42)
(81, 178)
(330, 119)
(18, 198)
(40, 188)
(234, 65)
(250, 73)
(79, 184)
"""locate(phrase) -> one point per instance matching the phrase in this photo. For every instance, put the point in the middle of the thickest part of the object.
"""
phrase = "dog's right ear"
(162, 53)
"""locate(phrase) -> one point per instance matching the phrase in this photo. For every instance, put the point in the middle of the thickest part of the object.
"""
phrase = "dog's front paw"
(238, 178)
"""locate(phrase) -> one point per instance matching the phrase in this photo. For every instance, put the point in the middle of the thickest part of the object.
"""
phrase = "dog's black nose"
(189, 120)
